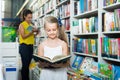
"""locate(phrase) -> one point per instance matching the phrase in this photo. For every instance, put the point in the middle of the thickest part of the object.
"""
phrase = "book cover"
(75, 42)
(56, 59)
(30, 28)
(94, 67)
(77, 62)
(106, 69)
(76, 10)
(81, 6)
(89, 46)
(93, 46)
(75, 25)
(85, 25)
(109, 21)
(89, 5)
(116, 72)
(86, 44)
(118, 48)
(106, 47)
(80, 26)
(116, 20)
(85, 66)
(94, 4)
(96, 24)
(85, 5)
(80, 45)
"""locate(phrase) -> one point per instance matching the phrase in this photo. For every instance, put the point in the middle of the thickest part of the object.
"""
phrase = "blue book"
(77, 62)
(30, 28)
(80, 46)
(81, 6)
(116, 72)
(96, 24)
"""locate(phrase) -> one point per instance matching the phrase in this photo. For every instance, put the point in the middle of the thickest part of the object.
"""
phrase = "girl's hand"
(60, 65)
(43, 64)
(35, 30)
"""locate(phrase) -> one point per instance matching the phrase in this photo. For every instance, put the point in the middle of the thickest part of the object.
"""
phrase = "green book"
(106, 69)
(89, 46)
(30, 28)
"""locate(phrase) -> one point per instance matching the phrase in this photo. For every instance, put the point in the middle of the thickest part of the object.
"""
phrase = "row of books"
(50, 8)
(85, 25)
(109, 2)
(82, 6)
(85, 46)
(64, 10)
(110, 47)
(112, 21)
(49, 5)
(66, 23)
(97, 71)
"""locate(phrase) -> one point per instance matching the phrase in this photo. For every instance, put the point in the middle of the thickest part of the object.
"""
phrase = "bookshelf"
(74, 15)
(111, 59)
(87, 14)
(84, 54)
(112, 6)
(62, 2)
(85, 34)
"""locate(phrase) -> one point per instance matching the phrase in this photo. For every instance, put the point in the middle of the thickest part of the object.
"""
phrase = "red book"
(119, 48)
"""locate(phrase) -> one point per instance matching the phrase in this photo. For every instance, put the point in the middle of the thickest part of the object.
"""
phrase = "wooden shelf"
(111, 59)
(83, 54)
(87, 14)
(63, 2)
(112, 6)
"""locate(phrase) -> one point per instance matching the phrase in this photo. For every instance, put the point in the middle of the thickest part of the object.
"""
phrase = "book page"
(58, 57)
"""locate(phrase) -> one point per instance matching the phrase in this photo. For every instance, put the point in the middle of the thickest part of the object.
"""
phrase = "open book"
(56, 59)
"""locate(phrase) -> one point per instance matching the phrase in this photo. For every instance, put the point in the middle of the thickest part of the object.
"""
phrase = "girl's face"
(51, 30)
(28, 18)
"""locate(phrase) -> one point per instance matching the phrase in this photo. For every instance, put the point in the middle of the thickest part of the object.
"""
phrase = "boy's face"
(51, 30)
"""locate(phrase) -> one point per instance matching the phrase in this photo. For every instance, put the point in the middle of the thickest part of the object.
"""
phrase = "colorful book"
(77, 62)
(116, 72)
(106, 69)
(94, 67)
(30, 28)
(75, 25)
(80, 45)
(86, 64)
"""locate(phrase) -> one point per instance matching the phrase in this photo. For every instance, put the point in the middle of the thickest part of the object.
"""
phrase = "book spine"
(96, 24)
(119, 48)
(81, 6)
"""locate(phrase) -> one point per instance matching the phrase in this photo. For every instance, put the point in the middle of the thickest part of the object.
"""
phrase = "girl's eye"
(54, 29)
(48, 30)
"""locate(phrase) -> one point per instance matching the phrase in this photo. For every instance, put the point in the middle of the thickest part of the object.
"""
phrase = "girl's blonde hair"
(52, 19)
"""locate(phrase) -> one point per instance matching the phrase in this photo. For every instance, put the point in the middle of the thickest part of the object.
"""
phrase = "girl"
(55, 44)
(26, 41)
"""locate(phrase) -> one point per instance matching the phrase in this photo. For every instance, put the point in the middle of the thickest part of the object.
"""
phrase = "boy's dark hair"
(25, 13)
